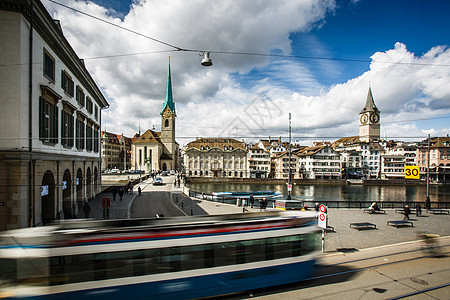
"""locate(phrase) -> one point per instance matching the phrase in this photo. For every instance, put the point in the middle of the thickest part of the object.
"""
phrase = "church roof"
(149, 136)
(169, 99)
(370, 104)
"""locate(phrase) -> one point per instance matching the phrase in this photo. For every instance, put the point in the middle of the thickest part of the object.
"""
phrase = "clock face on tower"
(374, 118)
(364, 118)
(166, 113)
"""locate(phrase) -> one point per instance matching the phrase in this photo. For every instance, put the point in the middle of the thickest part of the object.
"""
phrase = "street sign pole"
(322, 223)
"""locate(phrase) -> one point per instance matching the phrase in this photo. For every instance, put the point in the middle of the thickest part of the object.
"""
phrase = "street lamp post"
(290, 172)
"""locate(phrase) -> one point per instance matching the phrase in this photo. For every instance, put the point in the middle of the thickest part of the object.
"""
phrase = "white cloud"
(244, 95)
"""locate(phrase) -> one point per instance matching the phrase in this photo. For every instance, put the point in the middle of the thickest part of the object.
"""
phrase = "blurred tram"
(168, 258)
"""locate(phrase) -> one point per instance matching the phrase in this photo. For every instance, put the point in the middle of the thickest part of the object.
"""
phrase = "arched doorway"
(164, 167)
(79, 184)
(67, 191)
(88, 183)
(95, 181)
(48, 197)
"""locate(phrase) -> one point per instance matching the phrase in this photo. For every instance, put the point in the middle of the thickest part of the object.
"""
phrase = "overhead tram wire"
(179, 49)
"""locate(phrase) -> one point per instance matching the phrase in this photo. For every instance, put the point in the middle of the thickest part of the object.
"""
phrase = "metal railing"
(330, 204)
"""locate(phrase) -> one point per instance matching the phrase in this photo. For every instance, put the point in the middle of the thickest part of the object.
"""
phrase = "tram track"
(343, 274)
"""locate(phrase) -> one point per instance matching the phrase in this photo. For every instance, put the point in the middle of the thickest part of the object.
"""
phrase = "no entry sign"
(322, 218)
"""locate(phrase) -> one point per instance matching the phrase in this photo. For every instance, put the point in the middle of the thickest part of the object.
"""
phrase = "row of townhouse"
(51, 118)
(345, 158)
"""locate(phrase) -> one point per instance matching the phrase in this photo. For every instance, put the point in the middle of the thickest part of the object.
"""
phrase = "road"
(155, 200)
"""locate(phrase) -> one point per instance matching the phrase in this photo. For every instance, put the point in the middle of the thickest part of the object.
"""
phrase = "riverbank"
(393, 182)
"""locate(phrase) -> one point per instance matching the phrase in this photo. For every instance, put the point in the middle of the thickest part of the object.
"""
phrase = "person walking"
(406, 212)
(114, 191)
(139, 190)
(121, 194)
(252, 200)
(418, 210)
(86, 209)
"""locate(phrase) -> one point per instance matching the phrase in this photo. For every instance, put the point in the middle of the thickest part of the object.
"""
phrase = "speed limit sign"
(412, 172)
(323, 208)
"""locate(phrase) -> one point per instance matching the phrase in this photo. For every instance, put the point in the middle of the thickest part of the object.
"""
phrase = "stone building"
(50, 119)
(216, 157)
(116, 151)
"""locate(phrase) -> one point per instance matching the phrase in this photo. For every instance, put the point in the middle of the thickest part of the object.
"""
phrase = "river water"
(324, 192)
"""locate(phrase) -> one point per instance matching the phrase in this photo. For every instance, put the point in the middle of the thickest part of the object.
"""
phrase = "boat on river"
(256, 194)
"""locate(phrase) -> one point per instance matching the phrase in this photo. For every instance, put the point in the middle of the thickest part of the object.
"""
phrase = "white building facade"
(50, 119)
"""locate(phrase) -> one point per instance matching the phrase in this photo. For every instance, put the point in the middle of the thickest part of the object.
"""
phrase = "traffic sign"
(290, 187)
(323, 208)
(412, 172)
(322, 217)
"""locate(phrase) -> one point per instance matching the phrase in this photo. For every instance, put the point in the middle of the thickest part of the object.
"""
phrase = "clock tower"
(369, 120)
(169, 155)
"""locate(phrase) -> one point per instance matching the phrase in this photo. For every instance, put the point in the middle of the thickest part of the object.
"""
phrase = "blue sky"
(250, 96)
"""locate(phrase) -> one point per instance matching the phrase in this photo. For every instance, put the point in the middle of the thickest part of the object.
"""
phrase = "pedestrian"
(406, 212)
(114, 191)
(121, 194)
(252, 200)
(131, 187)
(264, 203)
(316, 206)
(86, 209)
(418, 210)
(139, 190)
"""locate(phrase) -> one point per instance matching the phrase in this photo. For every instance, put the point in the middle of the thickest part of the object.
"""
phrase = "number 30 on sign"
(412, 172)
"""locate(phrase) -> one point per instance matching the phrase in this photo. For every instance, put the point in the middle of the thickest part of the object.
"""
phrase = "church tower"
(369, 118)
(169, 155)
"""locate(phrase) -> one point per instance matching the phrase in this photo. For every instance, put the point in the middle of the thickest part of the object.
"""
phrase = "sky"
(314, 59)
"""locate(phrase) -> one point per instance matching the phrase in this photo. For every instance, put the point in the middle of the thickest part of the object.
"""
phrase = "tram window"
(152, 261)
(70, 269)
(32, 271)
(138, 262)
(224, 254)
(209, 256)
(192, 257)
(255, 250)
(8, 275)
(283, 247)
(240, 252)
(269, 248)
(119, 264)
(99, 260)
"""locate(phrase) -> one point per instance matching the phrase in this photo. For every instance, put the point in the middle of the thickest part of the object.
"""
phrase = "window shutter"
(55, 124)
(41, 118)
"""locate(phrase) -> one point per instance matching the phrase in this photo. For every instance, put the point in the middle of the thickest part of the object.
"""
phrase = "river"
(324, 192)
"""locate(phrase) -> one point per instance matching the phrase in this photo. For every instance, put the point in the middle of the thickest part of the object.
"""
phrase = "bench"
(400, 223)
(380, 211)
(438, 211)
(400, 211)
(363, 225)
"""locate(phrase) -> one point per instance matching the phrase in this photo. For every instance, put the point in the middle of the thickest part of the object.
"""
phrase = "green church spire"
(169, 100)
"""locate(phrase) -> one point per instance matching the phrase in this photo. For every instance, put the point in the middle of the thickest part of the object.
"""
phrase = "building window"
(80, 135)
(67, 135)
(96, 112)
(140, 156)
(96, 140)
(166, 123)
(48, 121)
(67, 83)
(88, 138)
(89, 105)
(49, 66)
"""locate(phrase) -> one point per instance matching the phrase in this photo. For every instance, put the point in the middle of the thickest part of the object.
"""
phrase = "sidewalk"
(118, 209)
